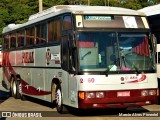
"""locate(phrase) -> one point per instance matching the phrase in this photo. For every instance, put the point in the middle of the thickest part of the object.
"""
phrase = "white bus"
(82, 57)
(153, 16)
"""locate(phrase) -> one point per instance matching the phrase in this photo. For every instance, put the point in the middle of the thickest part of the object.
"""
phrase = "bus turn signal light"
(81, 95)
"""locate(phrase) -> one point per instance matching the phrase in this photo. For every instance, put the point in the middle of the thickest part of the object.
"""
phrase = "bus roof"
(151, 10)
(75, 9)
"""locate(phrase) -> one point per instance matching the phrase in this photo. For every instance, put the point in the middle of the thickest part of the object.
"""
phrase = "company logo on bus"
(133, 79)
(28, 57)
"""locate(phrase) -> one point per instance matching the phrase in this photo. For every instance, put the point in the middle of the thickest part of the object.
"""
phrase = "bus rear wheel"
(18, 95)
(15, 92)
(13, 89)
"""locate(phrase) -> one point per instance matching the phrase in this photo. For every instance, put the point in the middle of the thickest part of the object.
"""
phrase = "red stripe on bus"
(26, 88)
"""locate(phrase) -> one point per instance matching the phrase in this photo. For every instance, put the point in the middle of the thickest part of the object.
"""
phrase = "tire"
(23, 98)
(18, 88)
(53, 95)
(56, 98)
(61, 108)
(59, 103)
(13, 89)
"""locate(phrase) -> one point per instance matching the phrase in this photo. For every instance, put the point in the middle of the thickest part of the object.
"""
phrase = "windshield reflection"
(114, 51)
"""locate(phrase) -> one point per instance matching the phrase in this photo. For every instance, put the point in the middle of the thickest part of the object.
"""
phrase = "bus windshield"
(115, 51)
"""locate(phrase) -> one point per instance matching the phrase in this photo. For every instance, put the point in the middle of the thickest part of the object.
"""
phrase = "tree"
(18, 11)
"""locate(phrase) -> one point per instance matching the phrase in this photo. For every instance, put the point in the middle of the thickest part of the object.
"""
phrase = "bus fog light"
(144, 93)
(99, 94)
(90, 95)
(152, 92)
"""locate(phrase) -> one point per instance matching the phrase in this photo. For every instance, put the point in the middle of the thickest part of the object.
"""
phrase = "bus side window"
(20, 38)
(6, 42)
(67, 23)
(54, 30)
(30, 36)
(13, 40)
(41, 33)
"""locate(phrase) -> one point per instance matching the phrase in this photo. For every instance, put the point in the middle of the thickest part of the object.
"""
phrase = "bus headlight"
(152, 92)
(99, 94)
(94, 95)
(90, 95)
(144, 93)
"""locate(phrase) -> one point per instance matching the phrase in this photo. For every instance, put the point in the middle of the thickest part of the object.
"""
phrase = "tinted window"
(13, 40)
(21, 38)
(30, 36)
(54, 30)
(41, 33)
(67, 24)
(6, 42)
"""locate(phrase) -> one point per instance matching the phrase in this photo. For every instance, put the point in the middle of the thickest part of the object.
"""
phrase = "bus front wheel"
(57, 100)
(59, 103)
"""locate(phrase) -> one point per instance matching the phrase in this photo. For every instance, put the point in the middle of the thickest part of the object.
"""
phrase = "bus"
(83, 57)
(153, 16)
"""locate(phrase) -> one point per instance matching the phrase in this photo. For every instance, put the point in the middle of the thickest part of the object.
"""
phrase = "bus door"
(68, 65)
(65, 66)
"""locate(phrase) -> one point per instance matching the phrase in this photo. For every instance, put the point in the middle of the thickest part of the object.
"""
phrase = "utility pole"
(88, 2)
(40, 5)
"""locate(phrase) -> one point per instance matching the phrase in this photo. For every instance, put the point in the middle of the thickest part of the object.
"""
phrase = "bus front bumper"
(112, 100)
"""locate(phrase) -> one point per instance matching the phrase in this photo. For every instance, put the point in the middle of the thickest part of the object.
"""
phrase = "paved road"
(34, 107)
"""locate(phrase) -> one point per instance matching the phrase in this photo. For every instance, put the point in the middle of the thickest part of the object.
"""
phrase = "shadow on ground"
(71, 112)
(106, 112)
(3, 96)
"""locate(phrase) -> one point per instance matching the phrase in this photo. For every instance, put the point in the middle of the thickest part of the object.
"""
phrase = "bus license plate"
(123, 94)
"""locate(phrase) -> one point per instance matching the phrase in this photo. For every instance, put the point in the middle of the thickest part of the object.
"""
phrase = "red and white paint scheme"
(82, 57)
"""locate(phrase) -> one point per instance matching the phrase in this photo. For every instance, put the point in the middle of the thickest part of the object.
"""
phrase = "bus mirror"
(73, 71)
(154, 42)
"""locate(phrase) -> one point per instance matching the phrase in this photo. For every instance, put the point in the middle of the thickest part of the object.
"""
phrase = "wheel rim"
(58, 97)
(14, 88)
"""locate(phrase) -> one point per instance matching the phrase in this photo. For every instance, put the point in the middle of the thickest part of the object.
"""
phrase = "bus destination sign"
(89, 17)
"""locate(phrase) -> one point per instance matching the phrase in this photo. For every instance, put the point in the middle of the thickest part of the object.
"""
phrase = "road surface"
(32, 108)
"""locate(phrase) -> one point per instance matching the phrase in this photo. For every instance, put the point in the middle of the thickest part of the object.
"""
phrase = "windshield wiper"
(136, 68)
(110, 66)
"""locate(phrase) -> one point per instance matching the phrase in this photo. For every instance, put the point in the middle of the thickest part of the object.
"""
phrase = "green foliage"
(18, 11)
